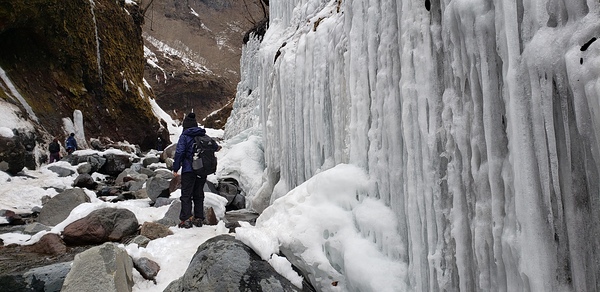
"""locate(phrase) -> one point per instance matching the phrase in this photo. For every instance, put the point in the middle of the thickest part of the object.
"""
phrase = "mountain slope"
(195, 47)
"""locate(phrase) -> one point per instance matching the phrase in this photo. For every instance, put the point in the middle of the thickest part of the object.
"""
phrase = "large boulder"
(50, 244)
(150, 160)
(224, 263)
(48, 278)
(229, 188)
(12, 156)
(85, 180)
(171, 217)
(58, 208)
(42, 279)
(108, 224)
(129, 175)
(103, 268)
(131, 179)
(61, 171)
(95, 161)
(115, 164)
(157, 187)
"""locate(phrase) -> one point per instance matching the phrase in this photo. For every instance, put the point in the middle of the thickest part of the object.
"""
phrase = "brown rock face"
(108, 224)
(74, 55)
(50, 244)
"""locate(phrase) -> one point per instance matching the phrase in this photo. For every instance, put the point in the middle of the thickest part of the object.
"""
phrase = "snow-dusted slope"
(477, 120)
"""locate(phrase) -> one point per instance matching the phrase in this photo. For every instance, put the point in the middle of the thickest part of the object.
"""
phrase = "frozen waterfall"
(477, 120)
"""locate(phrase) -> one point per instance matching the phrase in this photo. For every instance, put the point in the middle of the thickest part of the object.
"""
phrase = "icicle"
(98, 59)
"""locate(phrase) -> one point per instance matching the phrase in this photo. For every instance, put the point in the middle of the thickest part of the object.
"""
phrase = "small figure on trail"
(192, 184)
(71, 144)
(159, 144)
(54, 149)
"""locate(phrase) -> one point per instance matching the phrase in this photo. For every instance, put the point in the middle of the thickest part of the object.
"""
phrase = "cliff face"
(196, 48)
(63, 56)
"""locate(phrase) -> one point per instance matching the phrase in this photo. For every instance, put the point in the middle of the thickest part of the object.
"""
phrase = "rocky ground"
(14, 259)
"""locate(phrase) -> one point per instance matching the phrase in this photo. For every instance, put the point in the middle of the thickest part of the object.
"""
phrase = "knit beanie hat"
(190, 121)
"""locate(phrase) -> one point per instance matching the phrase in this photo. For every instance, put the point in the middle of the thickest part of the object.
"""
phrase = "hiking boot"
(185, 224)
(197, 222)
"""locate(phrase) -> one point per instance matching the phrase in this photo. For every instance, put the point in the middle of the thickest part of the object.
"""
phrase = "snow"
(13, 93)
(6, 132)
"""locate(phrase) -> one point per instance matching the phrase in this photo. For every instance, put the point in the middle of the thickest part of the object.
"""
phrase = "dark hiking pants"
(192, 191)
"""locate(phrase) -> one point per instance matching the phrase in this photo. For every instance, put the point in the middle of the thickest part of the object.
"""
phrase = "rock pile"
(113, 176)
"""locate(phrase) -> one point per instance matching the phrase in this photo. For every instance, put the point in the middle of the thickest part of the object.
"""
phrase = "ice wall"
(478, 119)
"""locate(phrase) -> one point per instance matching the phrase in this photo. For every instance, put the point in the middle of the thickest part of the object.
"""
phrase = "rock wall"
(63, 56)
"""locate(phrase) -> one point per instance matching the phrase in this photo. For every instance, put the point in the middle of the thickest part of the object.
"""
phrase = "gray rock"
(171, 217)
(131, 179)
(115, 164)
(224, 263)
(140, 194)
(157, 186)
(154, 230)
(147, 268)
(61, 171)
(43, 279)
(124, 174)
(160, 201)
(95, 160)
(12, 154)
(148, 172)
(135, 185)
(137, 167)
(140, 240)
(84, 168)
(37, 209)
(48, 278)
(175, 286)
(101, 268)
(85, 180)
(149, 160)
(164, 173)
(34, 228)
(60, 206)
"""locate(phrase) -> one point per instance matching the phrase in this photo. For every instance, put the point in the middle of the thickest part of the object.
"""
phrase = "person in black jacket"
(54, 149)
(192, 185)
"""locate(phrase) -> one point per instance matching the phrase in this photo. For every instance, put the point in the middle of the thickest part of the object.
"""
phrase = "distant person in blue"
(191, 184)
(71, 144)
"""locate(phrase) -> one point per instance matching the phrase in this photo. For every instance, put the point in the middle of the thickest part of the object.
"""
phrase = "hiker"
(54, 149)
(191, 184)
(159, 144)
(71, 144)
